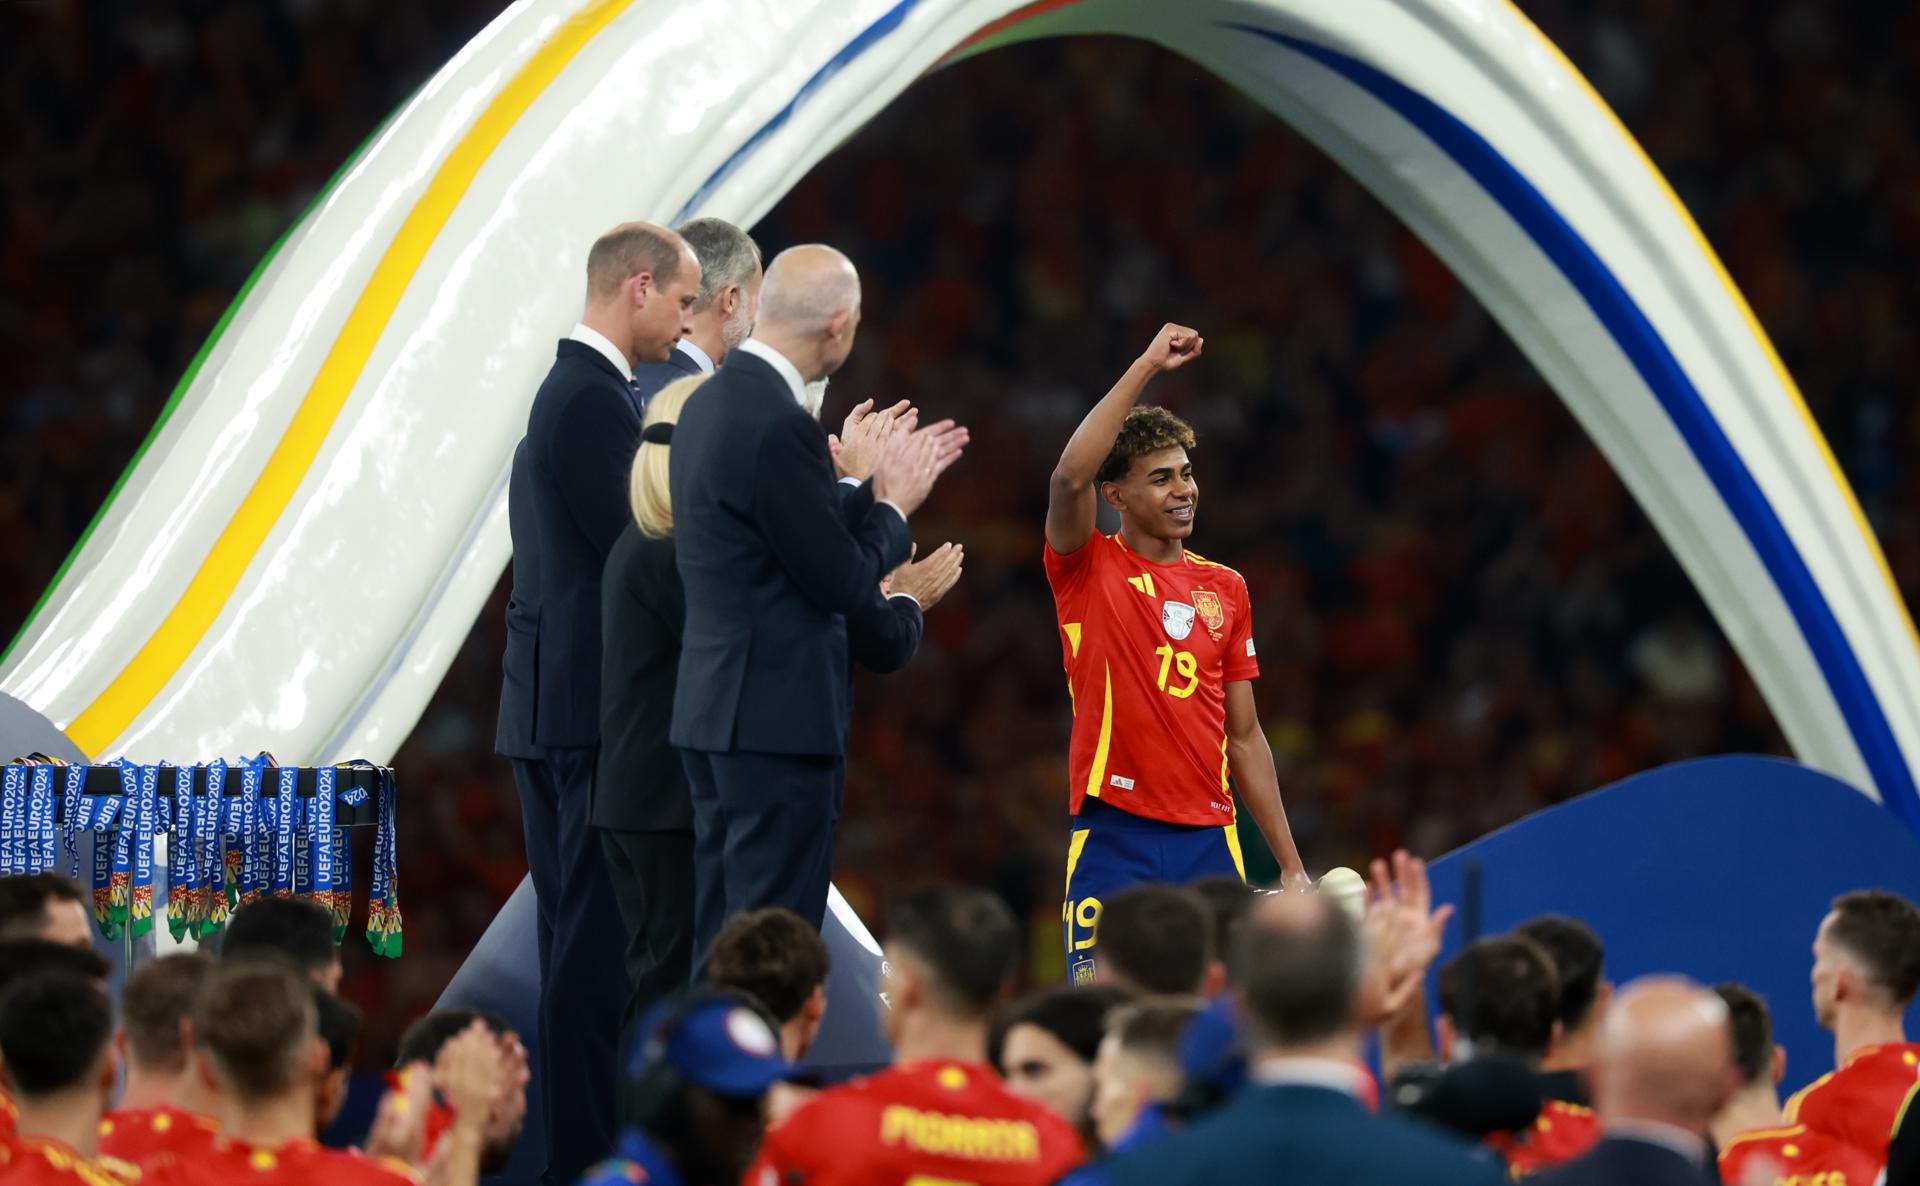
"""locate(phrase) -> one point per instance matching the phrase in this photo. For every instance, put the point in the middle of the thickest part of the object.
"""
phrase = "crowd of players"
(1224, 1042)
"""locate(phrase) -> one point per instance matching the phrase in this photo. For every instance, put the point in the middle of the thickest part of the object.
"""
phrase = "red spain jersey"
(300, 1163)
(36, 1161)
(1561, 1133)
(149, 1138)
(935, 1120)
(7, 1115)
(1858, 1102)
(1150, 649)
(1794, 1156)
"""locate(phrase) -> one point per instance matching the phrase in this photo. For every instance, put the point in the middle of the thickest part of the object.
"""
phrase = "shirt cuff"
(909, 597)
(887, 502)
(851, 482)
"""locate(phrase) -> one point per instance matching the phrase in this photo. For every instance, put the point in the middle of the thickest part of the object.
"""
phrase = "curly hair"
(1146, 430)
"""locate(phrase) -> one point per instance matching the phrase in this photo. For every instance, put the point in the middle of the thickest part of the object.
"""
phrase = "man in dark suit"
(1301, 1117)
(723, 313)
(772, 560)
(566, 505)
(1664, 1069)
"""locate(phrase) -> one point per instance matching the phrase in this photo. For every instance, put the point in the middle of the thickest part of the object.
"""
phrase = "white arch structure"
(309, 532)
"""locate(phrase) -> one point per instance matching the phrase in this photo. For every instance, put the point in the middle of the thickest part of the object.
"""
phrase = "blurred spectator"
(20, 958)
(774, 957)
(1044, 1046)
(1228, 899)
(1755, 1142)
(44, 906)
(1138, 1070)
(296, 930)
(168, 1110)
(1579, 964)
(428, 1041)
(1158, 940)
(1664, 1070)
(56, 1056)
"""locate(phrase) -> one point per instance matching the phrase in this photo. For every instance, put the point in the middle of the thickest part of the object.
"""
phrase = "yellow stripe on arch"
(200, 603)
(1745, 310)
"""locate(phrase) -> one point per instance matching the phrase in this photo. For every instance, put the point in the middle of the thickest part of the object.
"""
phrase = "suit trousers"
(583, 987)
(652, 875)
(762, 836)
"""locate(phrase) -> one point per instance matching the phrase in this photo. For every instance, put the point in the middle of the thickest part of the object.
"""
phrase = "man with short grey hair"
(723, 313)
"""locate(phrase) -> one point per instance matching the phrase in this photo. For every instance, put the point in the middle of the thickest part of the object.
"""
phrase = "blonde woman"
(640, 803)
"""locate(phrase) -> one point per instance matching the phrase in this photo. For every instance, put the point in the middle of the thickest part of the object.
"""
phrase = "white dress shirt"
(586, 335)
(699, 356)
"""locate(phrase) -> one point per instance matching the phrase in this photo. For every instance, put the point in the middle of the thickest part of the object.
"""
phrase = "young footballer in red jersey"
(56, 1035)
(1159, 653)
(1866, 971)
(939, 1114)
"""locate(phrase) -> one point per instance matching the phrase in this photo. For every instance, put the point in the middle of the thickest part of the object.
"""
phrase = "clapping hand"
(927, 581)
(910, 463)
(856, 450)
(1403, 932)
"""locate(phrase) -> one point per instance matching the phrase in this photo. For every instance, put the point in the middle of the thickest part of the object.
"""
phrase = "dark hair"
(1077, 1016)
(1883, 930)
(24, 899)
(252, 1019)
(626, 251)
(1147, 429)
(1300, 977)
(53, 1027)
(1152, 1028)
(295, 929)
(1501, 992)
(773, 955)
(1752, 1031)
(337, 1020)
(966, 937)
(158, 997)
(1228, 899)
(425, 1037)
(727, 255)
(21, 958)
(1579, 963)
(1157, 938)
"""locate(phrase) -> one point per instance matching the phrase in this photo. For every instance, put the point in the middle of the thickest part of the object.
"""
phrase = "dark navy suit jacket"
(772, 555)
(1289, 1134)
(1624, 1161)
(566, 506)
(650, 377)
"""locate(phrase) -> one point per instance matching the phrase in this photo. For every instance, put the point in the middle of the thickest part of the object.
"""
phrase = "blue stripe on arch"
(863, 41)
(1636, 336)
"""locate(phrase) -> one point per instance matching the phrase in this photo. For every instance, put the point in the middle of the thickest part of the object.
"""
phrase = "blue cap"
(715, 1041)
(1210, 1052)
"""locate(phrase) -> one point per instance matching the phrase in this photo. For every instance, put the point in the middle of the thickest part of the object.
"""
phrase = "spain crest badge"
(1207, 605)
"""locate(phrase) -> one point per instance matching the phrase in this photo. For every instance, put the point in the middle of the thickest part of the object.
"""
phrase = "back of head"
(1151, 1029)
(1579, 963)
(255, 1020)
(806, 288)
(1500, 994)
(1752, 1033)
(1665, 1054)
(25, 897)
(1882, 931)
(337, 1021)
(158, 997)
(965, 939)
(772, 955)
(1228, 899)
(648, 486)
(728, 257)
(54, 1030)
(425, 1037)
(1156, 939)
(1299, 970)
(20, 958)
(1077, 1016)
(628, 250)
(296, 930)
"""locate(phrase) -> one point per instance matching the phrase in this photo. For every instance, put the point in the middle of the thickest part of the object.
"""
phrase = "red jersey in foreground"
(1150, 650)
(1561, 1133)
(1858, 1102)
(36, 1161)
(301, 1163)
(1794, 1156)
(949, 1121)
(149, 1138)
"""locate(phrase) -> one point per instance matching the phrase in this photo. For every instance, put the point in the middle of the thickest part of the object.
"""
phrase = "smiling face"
(1157, 496)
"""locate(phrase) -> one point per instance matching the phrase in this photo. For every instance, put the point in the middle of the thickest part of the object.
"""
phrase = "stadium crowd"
(1225, 1042)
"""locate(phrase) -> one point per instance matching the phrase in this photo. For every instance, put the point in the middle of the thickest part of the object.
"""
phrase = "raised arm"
(1070, 498)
